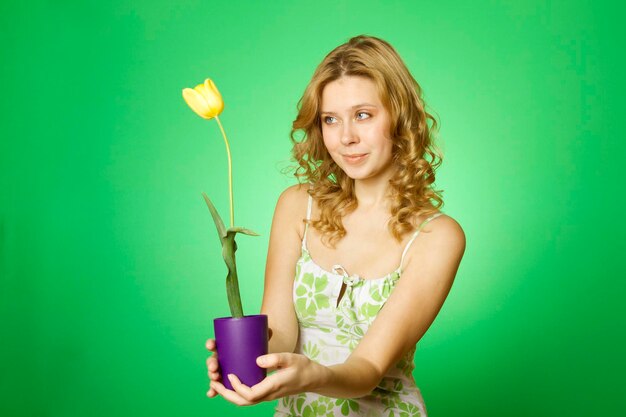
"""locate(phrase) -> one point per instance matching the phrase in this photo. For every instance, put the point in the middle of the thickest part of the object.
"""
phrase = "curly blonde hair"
(414, 153)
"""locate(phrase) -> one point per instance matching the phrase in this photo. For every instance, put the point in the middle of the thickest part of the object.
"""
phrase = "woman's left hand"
(295, 373)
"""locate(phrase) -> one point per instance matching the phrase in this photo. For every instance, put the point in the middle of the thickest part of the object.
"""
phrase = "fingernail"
(261, 360)
(230, 377)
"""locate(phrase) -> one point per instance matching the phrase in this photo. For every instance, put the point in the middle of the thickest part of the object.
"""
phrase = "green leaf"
(219, 224)
(228, 253)
(229, 247)
(232, 283)
(242, 230)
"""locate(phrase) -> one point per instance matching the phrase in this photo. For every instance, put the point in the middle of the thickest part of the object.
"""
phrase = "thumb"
(274, 360)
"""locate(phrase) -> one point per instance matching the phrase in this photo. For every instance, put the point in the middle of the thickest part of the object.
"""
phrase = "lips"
(354, 158)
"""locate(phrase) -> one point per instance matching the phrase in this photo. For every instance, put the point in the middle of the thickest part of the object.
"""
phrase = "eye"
(329, 119)
(363, 115)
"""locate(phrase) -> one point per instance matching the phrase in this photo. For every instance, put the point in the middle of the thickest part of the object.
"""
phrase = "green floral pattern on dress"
(347, 405)
(311, 350)
(310, 295)
(330, 329)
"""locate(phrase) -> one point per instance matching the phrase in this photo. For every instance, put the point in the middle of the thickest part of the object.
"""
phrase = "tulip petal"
(213, 97)
(211, 86)
(200, 88)
(197, 102)
(212, 106)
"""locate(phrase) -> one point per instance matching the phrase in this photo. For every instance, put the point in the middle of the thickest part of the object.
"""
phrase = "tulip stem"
(230, 174)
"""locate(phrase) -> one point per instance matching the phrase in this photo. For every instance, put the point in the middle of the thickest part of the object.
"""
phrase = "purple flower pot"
(239, 341)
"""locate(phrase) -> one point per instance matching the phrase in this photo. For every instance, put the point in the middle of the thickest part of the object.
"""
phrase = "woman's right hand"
(212, 366)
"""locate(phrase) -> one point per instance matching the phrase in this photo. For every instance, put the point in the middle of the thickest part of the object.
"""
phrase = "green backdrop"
(110, 271)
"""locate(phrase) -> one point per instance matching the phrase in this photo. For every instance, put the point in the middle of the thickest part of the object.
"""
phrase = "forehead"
(348, 91)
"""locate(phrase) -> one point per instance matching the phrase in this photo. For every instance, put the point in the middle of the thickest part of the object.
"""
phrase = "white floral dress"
(330, 331)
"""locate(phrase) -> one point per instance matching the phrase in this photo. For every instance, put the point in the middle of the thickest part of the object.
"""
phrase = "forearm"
(283, 330)
(281, 342)
(352, 379)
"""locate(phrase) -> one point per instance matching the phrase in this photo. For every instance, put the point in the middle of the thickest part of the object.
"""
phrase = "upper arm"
(419, 295)
(283, 253)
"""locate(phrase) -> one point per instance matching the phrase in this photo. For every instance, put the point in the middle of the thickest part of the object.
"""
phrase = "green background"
(110, 271)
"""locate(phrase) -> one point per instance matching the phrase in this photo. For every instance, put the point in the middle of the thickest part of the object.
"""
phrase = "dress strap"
(408, 245)
(306, 224)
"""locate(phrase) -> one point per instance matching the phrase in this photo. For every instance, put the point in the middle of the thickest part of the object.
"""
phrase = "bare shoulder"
(291, 207)
(295, 194)
(440, 242)
(444, 231)
(294, 199)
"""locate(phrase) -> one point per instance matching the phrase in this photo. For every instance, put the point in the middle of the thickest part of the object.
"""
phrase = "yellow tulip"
(204, 99)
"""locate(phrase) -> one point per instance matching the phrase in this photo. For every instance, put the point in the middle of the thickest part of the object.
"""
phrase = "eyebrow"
(353, 108)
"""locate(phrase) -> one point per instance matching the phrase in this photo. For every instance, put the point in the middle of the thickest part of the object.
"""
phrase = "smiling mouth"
(354, 158)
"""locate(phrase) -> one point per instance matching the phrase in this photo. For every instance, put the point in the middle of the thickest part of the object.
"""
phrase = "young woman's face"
(355, 127)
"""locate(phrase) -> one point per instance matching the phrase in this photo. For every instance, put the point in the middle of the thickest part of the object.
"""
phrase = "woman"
(366, 152)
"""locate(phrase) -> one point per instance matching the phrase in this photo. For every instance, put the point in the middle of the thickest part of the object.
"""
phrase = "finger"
(240, 388)
(212, 364)
(274, 360)
(229, 395)
(210, 344)
(211, 393)
(269, 389)
(215, 376)
(265, 390)
(213, 373)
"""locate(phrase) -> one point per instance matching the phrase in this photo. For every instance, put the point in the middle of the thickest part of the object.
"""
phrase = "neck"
(371, 193)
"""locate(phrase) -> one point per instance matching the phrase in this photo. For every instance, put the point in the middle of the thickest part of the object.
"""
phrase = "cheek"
(329, 141)
(387, 146)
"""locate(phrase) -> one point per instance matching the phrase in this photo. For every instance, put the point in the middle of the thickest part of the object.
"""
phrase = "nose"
(349, 134)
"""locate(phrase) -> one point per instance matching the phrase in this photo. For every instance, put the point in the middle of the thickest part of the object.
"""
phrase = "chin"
(365, 173)
(358, 174)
